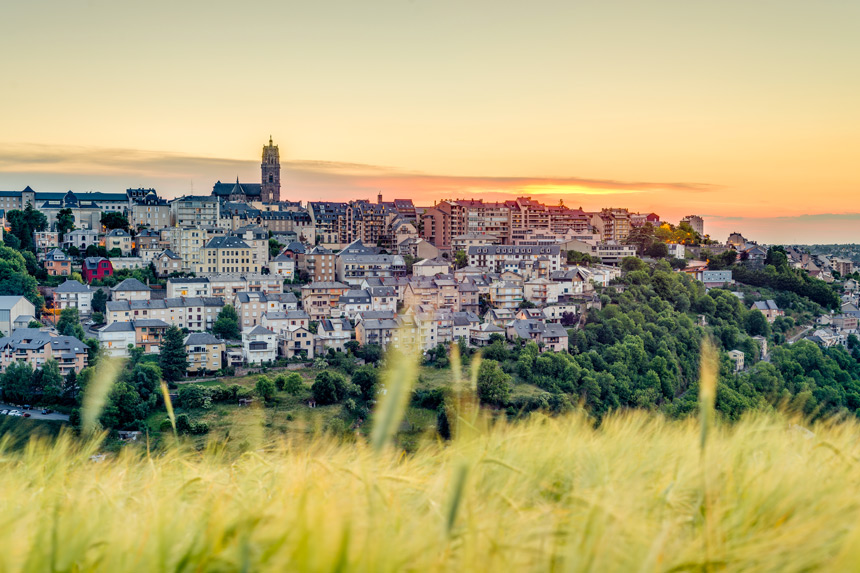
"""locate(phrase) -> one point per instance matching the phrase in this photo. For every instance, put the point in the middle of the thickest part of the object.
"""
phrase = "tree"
(657, 250)
(98, 317)
(17, 382)
(227, 324)
(293, 384)
(113, 220)
(23, 223)
(756, 324)
(51, 381)
(329, 387)
(494, 386)
(461, 260)
(408, 260)
(65, 222)
(15, 280)
(265, 388)
(630, 264)
(70, 324)
(35, 324)
(99, 300)
(192, 396)
(173, 359)
(371, 353)
(366, 378)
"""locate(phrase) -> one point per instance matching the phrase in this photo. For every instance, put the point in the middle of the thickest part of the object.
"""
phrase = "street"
(36, 414)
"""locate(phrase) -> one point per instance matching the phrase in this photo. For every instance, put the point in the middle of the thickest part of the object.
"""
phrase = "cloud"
(310, 179)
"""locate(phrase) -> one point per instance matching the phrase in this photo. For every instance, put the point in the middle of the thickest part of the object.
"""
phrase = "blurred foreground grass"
(639, 493)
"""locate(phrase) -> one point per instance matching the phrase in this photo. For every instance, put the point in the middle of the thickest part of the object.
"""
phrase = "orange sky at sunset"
(743, 112)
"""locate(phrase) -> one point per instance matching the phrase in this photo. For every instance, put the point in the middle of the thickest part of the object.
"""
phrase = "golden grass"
(636, 494)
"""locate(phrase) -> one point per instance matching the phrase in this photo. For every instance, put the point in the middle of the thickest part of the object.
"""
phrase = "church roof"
(224, 190)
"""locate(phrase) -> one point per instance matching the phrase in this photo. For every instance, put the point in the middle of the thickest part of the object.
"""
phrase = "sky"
(742, 112)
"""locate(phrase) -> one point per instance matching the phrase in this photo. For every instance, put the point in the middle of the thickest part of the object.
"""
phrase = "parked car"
(27, 407)
(14, 413)
(45, 411)
(4, 412)
(27, 414)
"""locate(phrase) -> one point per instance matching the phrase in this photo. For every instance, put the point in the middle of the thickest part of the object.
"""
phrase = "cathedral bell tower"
(271, 167)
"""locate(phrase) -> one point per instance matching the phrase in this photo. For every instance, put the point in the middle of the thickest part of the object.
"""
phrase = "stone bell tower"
(271, 167)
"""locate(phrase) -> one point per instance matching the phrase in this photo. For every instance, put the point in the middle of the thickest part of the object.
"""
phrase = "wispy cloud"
(311, 179)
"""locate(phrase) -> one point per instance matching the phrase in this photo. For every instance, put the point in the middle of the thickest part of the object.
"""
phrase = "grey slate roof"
(130, 284)
(72, 286)
(200, 338)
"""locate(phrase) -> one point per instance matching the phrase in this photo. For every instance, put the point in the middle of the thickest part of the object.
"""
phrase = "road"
(797, 336)
(36, 414)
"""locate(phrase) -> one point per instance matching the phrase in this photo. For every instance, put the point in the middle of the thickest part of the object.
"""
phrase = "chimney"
(379, 198)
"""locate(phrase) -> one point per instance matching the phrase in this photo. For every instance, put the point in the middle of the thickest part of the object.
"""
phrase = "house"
(468, 297)
(501, 317)
(498, 257)
(737, 358)
(35, 346)
(281, 302)
(354, 268)
(96, 268)
(333, 333)
(205, 353)
(504, 294)
(530, 314)
(768, 308)
(541, 291)
(354, 301)
(548, 336)
(80, 239)
(259, 345)
(149, 333)
(72, 294)
(431, 267)
(193, 313)
(283, 266)
(319, 298)
(376, 331)
(130, 289)
(166, 263)
(118, 239)
(250, 306)
(11, 307)
(463, 322)
(116, 338)
(58, 264)
(382, 298)
(296, 342)
(280, 322)
(564, 314)
(479, 334)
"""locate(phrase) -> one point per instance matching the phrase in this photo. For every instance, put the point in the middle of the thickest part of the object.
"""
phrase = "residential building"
(227, 255)
(259, 345)
(250, 306)
(118, 239)
(548, 336)
(319, 264)
(505, 294)
(431, 267)
(44, 241)
(609, 253)
(149, 334)
(36, 346)
(72, 294)
(224, 285)
(319, 298)
(737, 358)
(612, 224)
(80, 239)
(193, 313)
(167, 263)
(382, 298)
(696, 223)
(501, 317)
(354, 301)
(480, 335)
(116, 338)
(257, 240)
(497, 258)
(130, 289)
(768, 308)
(466, 240)
(352, 269)
(57, 263)
(283, 266)
(205, 353)
(541, 291)
(281, 302)
(333, 333)
(149, 211)
(195, 212)
(187, 243)
(96, 268)
(11, 307)
(462, 323)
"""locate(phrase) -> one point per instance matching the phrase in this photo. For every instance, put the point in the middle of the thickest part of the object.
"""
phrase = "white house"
(115, 338)
(259, 345)
(283, 266)
(72, 294)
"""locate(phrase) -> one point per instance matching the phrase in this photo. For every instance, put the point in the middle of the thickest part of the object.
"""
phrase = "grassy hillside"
(639, 493)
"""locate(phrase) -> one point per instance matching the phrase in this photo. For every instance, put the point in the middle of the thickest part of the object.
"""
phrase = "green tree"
(99, 300)
(23, 223)
(494, 386)
(657, 250)
(173, 359)
(227, 324)
(17, 382)
(65, 222)
(366, 378)
(113, 220)
(756, 324)
(461, 259)
(51, 381)
(329, 387)
(265, 388)
(15, 280)
(293, 384)
(70, 324)
(192, 396)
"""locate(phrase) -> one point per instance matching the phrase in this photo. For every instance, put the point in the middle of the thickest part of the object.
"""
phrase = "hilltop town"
(240, 281)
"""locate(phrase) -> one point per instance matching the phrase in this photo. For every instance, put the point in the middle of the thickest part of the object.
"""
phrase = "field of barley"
(638, 493)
